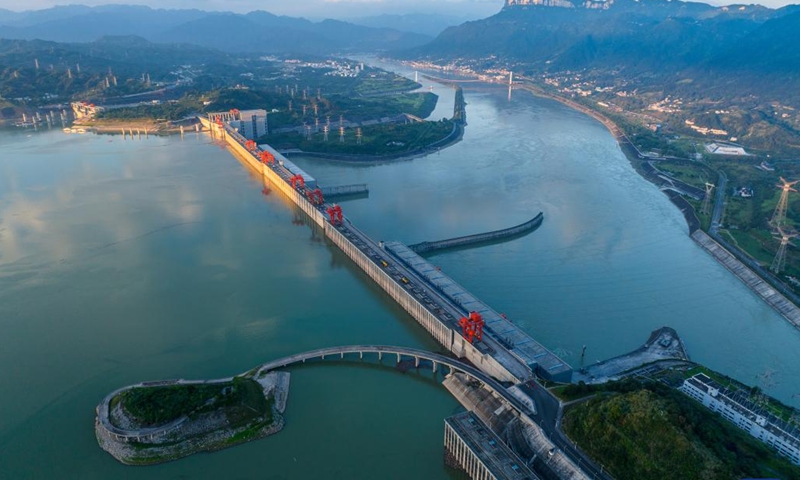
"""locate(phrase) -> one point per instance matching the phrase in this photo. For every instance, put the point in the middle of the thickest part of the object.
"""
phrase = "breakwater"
(345, 190)
(480, 238)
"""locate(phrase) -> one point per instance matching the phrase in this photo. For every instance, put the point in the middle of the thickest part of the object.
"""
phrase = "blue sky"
(315, 8)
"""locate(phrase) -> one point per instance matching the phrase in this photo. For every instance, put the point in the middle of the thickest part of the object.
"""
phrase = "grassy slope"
(657, 432)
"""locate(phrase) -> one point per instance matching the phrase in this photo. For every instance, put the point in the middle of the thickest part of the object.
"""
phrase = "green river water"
(123, 261)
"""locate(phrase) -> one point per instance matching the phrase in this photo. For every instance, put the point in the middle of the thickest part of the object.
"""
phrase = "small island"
(156, 422)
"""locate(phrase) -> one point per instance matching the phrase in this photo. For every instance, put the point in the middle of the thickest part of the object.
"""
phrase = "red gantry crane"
(298, 180)
(267, 158)
(335, 212)
(315, 196)
(472, 327)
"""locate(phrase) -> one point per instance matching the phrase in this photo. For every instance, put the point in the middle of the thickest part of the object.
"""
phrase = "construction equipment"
(335, 212)
(315, 196)
(298, 180)
(267, 158)
(472, 327)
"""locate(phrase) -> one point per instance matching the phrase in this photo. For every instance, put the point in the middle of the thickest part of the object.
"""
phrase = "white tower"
(779, 216)
(779, 262)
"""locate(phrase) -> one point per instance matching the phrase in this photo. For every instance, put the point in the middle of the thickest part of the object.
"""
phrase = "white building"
(737, 410)
(251, 124)
(717, 149)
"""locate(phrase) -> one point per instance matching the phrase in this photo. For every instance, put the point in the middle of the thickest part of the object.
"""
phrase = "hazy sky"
(317, 8)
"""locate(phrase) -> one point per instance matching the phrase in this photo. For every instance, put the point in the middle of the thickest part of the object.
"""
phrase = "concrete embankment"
(663, 344)
(761, 288)
(480, 238)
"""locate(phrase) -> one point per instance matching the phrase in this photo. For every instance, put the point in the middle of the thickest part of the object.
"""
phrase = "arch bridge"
(418, 355)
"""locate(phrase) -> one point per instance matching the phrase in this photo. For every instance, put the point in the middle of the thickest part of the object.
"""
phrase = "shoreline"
(453, 138)
(760, 285)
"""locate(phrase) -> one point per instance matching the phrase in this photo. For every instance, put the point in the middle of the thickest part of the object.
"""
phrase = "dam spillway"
(506, 352)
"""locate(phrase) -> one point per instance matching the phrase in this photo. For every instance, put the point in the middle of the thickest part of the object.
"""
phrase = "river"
(123, 261)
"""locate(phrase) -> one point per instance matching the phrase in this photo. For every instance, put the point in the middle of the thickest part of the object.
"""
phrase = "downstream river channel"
(130, 260)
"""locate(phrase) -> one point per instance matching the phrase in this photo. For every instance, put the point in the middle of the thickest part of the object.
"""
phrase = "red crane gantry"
(335, 212)
(267, 158)
(315, 196)
(298, 180)
(472, 327)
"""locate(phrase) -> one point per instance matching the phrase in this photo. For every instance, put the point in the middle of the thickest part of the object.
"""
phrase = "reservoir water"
(123, 261)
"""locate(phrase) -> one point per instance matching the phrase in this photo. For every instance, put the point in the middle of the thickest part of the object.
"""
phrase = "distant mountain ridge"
(639, 35)
(430, 24)
(255, 32)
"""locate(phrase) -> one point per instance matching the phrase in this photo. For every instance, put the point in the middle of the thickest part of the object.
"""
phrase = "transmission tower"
(290, 105)
(707, 198)
(358, 136)
(316, 124)
(341, 121)
(305, 110)
(308, 130)
(325, 131)
(779, 217)
(780, 258)
(341, 134)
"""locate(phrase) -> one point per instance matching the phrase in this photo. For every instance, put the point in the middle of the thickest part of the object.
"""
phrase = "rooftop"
(503, 463)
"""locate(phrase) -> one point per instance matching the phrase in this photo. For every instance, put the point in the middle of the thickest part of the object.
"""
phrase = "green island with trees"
(155, 423)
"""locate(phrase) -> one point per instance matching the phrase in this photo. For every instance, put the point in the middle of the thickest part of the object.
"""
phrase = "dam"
(435, 301)
(464, 325)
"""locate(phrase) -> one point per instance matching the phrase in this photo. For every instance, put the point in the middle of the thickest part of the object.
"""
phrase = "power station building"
(251, 124)
(737, 409)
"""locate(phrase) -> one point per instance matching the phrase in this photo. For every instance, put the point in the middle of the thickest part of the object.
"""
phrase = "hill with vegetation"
(654, 431)
(732, 69)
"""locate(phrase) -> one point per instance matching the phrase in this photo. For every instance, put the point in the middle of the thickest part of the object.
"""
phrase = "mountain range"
(255, 32)
(637, 35)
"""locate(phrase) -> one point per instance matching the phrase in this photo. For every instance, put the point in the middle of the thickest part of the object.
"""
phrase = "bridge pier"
(380, 356)
(361, 355)
(342, 356)
(434, 366)
(416, 362)
(398, 357)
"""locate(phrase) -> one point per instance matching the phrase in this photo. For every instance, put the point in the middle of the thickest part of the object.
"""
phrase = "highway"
(548, 417)
(719, 204)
